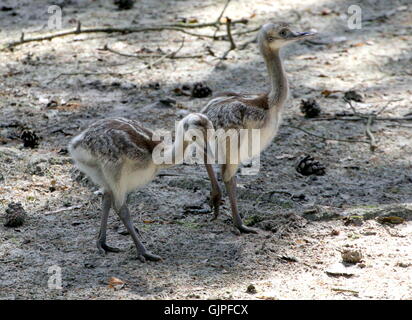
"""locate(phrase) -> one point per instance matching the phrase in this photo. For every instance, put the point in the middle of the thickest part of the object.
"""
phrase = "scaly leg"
(228, 173)
(215, 193)
(101, 240)
(142, 253)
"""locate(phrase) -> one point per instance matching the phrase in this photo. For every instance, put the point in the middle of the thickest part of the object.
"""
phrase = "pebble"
(339, 270)
(351, 256)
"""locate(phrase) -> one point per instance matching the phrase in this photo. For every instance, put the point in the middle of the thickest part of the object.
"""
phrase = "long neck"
(279, 82)
(175, 152)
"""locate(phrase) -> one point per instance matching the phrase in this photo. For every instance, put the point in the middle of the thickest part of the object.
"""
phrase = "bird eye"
(283, 32)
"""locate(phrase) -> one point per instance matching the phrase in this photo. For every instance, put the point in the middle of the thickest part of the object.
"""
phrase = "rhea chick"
(237, 111)
(117, 154)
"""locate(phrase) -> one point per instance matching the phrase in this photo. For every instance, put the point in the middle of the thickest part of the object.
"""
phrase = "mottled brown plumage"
(237, 111)
(118, 155)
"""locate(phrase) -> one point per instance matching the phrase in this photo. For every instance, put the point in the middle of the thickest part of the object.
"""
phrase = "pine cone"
(15, 215)
(310, 108)
(124, 4)
(308, 166)
(200, 90)
(30, 139)
(353, 95)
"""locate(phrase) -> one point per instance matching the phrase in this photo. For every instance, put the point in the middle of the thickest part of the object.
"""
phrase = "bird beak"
(302, 35)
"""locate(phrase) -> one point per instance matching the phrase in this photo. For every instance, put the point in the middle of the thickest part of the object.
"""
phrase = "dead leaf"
(358, 44)
(325, 12)
(326, 93)
(116, 283)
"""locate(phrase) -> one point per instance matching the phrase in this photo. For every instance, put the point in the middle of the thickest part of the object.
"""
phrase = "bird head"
(197, 121)
(199, 130)
(273, 36)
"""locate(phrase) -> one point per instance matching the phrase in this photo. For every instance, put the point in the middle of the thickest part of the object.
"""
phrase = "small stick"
(229, 35)
(63, 209)
(355, 112)
(142, 56)
(369, 134)
(326, 138)
(362, 117)
(87, 74)
(169, 55)
(220, 17)
(345, 290)
(79, 30)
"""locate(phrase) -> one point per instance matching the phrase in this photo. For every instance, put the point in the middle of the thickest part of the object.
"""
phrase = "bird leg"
(237, 220)
(101, 239)
(142, 252)
(215, 193)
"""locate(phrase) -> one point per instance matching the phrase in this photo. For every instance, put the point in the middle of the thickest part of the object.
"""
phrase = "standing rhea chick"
(117, 154)
(244, 111)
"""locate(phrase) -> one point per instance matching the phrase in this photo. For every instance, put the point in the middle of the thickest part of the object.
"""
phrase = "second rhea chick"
(117, 154)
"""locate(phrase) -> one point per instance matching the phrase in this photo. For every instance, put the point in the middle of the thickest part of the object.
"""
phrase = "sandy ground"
(305, 222)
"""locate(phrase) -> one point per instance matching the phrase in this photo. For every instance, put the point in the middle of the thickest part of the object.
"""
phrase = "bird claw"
(104, 248)
(215, 201)
(148, 256)
(242, 228)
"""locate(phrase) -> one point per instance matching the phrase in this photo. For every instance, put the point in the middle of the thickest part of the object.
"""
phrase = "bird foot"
(242, 228)
(215, 202)
(104, 248)
(148, 256)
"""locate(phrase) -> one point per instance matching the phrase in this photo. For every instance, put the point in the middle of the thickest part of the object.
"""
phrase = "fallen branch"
(143, 56)
(327, 138)
(124, 30)
(63, 209)
(369, 134)
(229, 35)
(88, 74)
(220, 17)
(348, 118)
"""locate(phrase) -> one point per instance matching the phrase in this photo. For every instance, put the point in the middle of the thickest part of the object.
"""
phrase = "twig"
(362, 117)
(220, 17)
(87, 74)
(63, 209)
(385, 106)
(229, 35)
(124, 30)
(326, 138)
(369, 134)
(345, 290)
(171, 55)
(355, 112)
(143, 56)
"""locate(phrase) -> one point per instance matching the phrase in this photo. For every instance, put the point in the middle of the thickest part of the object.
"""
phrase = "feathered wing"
(236, 112)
